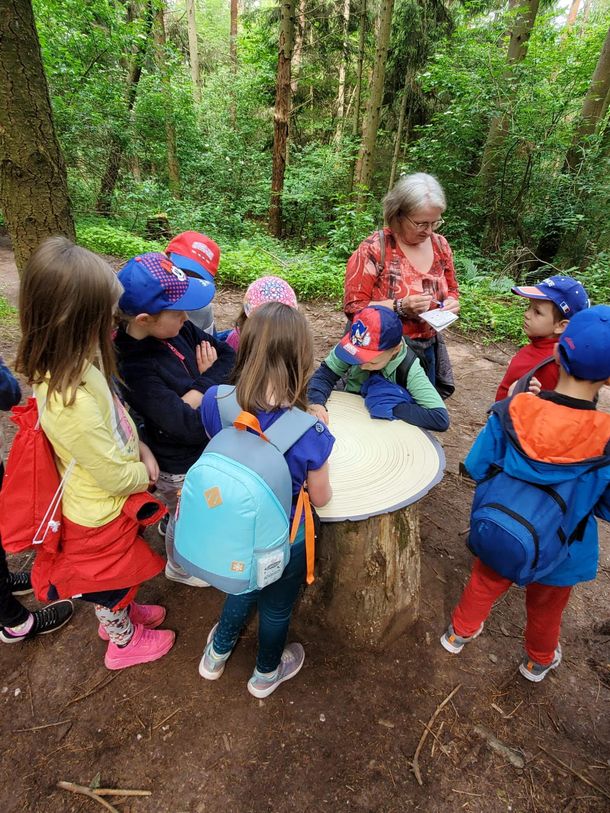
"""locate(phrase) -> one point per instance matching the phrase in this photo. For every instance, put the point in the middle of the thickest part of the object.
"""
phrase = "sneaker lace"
(47, 618)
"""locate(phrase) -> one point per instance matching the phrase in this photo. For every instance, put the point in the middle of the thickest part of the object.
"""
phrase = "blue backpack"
(518, 528)
(232, 525)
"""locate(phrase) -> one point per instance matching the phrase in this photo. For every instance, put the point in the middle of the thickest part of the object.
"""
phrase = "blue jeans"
(430, 354)
(274, 604)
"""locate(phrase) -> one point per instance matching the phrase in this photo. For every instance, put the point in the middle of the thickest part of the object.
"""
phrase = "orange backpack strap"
(245, 420)
(304, 505)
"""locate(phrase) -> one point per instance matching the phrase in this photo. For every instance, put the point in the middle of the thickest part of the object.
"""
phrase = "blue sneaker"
(454, 643)
(212, 665)
(262, 685)
(536, 671)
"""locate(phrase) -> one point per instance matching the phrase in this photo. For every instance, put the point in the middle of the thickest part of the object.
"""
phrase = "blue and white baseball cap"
(568, 294)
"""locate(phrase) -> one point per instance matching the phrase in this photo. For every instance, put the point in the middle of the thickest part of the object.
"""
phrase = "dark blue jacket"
(156, 374)
(10, 391)
(547, 440)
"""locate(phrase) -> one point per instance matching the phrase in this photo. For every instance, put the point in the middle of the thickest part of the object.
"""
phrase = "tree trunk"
(593, 111)
(297, 54)
(494, 153)
(368, 582)
(572, 14)
(33, 187)
(281, 115)
(399, 129)
(593, 107)
(361, 43)
(343, 71)
(233, 36)
(364, 164)
(191, 12)
(173, 167)
(118, 140)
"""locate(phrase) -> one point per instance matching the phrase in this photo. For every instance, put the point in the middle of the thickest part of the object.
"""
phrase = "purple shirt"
(309, 453)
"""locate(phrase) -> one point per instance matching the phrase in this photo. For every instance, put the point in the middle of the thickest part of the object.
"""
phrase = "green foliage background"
(454, 57)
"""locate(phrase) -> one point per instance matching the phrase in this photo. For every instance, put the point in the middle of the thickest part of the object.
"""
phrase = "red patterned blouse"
(365, 283)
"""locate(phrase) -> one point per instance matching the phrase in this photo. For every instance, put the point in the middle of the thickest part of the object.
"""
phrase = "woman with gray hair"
(408, 267)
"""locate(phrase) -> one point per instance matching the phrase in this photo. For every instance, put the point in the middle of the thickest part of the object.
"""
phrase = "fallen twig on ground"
(40, 727)
(578, 775)
(165, 719)
(120, 792)
(420, 745)
(101, 684)
(73, 788)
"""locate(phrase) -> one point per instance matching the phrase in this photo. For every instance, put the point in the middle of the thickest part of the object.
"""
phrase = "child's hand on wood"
(318, 411)
(206, 356)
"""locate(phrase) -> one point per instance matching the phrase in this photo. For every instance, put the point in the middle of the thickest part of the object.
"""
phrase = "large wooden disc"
(376, 466)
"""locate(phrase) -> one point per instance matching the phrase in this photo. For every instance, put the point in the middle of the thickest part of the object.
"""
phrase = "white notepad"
(438, 318)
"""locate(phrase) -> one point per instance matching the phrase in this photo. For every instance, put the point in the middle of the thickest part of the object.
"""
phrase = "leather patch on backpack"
(213, 497)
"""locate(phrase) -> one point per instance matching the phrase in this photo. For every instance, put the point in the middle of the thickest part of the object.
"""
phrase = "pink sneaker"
(145, 646)
(149, 615)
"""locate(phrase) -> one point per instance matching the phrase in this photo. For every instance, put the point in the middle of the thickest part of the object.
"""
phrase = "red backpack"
(30, 500)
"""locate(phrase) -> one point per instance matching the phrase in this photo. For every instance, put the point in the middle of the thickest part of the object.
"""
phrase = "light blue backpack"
(232, 526)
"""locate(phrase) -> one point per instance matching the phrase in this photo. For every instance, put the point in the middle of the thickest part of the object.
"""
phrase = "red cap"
(193, 251)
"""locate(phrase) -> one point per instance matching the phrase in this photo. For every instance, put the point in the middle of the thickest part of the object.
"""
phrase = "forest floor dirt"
(343, 734)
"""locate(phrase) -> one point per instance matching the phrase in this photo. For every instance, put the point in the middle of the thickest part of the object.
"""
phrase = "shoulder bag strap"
(522, 384)
(228, 408)
(304, 505)
(291, 426)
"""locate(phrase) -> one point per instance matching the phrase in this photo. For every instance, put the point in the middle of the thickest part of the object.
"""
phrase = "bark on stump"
(368, 578)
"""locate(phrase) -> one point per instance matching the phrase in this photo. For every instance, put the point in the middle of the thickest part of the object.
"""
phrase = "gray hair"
(412, 192)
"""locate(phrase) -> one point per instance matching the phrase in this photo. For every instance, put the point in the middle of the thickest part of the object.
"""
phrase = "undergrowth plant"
(488, 309)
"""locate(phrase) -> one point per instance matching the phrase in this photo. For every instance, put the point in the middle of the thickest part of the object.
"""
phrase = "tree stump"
(158, 228)
(368, 578)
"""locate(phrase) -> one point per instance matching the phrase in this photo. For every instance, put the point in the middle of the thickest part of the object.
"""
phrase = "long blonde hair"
(274, 360)
(66, 299)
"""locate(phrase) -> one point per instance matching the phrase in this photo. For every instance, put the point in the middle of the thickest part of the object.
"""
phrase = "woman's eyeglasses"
(426, 224)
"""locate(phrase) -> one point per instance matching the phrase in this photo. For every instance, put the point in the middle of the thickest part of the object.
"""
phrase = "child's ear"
(143, 319)
(559, 327)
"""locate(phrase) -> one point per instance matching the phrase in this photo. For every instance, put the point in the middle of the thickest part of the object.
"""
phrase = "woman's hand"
(451, 305)
(415, 304)
(150, 461)
(206, 356)
(318, 411)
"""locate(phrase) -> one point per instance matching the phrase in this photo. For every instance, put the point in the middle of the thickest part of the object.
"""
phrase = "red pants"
(544, 604)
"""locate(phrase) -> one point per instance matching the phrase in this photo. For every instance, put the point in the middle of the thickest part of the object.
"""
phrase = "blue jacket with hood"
(547, 440)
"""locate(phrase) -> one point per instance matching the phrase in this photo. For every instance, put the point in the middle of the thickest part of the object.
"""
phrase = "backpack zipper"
(522, 521)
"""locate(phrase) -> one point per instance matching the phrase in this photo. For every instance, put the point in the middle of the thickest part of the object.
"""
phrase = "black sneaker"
(162, 526)
(20, 584)
(50, 618)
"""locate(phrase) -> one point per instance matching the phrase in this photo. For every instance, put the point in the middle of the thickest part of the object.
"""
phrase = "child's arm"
(10, 391)
(321, 385)
(324, 379)
(82, 432)
(428, 411)
(318, 486)
(157, 403)
(216, 372)
(488, 449)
